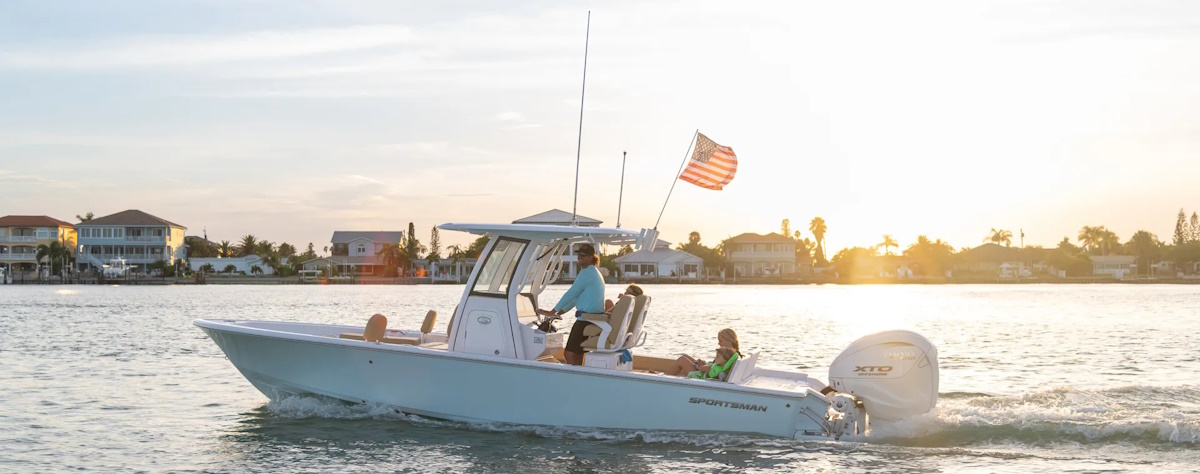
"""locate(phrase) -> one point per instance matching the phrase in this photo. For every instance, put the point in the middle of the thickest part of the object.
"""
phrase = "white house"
(662, 261)
(761, 255)
(138, 237)
(240, 264)
(559, 217)
(356, 252)
(1116, 265)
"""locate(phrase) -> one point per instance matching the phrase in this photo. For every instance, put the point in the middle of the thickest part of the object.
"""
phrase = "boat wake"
(1133, 414)
(1167, 416)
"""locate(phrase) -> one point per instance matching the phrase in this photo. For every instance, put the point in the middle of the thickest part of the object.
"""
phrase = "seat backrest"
(621, 316)
(430, 321)
(525, 308)
(743, 368)
(640, 304)
(376, 328)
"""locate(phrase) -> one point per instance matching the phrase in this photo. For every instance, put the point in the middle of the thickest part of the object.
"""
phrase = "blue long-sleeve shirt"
(586, 293)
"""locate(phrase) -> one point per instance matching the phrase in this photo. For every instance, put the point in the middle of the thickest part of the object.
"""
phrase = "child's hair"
(730, 338)
(634, 290)
(724, 353)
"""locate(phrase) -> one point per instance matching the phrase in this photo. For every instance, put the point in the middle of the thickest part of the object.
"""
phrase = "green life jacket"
(717, 370)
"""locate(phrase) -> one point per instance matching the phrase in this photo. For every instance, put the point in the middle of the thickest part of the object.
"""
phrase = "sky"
(289, 120)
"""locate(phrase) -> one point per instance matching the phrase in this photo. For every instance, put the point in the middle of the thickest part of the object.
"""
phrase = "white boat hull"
(474, 388)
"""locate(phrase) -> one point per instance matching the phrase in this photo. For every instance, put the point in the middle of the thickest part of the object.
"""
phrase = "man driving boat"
(586, 295)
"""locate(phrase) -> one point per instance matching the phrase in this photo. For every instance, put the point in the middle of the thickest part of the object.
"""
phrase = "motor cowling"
(894, 373)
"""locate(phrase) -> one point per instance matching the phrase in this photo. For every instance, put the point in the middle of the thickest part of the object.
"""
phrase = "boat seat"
(526, 308)
(640, 305)
(376, 331)
(743, 368)
(407, 340)
(609, 332)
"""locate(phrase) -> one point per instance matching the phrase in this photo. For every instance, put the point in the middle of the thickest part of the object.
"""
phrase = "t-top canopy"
(547, 232)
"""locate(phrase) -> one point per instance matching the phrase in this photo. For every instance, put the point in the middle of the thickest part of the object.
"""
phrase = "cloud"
(510, 116)
(162, 50)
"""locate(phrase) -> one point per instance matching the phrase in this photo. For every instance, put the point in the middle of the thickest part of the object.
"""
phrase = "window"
(631, 268)
(362, 248)
(648, 269)
(108, 232)
(43, 234)
(497, 272)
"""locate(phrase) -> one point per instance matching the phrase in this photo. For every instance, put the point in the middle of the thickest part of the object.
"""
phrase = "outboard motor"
(893, 373)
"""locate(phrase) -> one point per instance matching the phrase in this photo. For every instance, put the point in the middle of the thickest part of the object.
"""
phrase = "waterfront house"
(991, 260)
(662, 261)
(560, 217)
(244, 265)
(20, 237)
(754, 255)
(357, 252)
(1116, 265)
(138, 237)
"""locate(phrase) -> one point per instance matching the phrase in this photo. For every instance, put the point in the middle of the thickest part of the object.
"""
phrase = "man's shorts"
(575, 339)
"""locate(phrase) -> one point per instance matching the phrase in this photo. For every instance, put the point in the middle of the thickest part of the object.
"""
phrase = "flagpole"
(621, 193)
(579, 145)
(685, 160)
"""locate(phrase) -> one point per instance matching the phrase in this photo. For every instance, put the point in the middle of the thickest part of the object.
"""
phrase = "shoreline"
(641, 281)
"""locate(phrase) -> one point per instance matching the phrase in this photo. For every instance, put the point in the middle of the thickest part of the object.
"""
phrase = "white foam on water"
(1162, 414)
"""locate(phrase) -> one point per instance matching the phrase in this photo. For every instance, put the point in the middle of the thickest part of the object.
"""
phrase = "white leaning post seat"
(743, 368)
(609, 331)
(636, 336)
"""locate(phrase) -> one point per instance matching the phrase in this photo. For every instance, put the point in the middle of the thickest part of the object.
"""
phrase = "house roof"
(659, 255)
(33, 221)
(750, 237)
(379, 236)
(991, 252)
(130, 217)
(557, 217)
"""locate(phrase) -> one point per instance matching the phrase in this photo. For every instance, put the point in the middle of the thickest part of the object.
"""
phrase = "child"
(719, 369)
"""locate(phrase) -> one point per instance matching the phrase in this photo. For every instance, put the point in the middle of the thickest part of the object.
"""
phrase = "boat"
(116, 267)
(495, 363)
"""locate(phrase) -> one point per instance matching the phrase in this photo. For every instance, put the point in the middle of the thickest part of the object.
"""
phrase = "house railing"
(18, 238)
(145, 238)
(18, 256)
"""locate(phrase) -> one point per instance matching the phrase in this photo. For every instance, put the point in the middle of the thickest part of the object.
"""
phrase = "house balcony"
(18, 238)
(18, 257)
(146, 238)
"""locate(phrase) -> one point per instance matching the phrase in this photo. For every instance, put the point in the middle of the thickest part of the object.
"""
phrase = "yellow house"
(20, 237)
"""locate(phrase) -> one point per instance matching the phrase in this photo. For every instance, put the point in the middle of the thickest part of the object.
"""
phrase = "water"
(1045, 378)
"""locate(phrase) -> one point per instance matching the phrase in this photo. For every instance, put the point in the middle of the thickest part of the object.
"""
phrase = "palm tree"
(1089, 237)
(1109, 241)
(86, 217)
(225, 250)
(248, 245)
(888, 242)
(817, 227)
(55, 251)
(392, 258)
(456, 253)
(999, 236)
(1144, 246)
(286, 250)
(264, 248)
(694, 237)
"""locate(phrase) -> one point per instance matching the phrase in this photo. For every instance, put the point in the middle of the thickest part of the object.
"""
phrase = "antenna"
(579, 145)
(621, 193)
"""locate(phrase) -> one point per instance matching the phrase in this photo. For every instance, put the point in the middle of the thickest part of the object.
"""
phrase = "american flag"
(712, 166)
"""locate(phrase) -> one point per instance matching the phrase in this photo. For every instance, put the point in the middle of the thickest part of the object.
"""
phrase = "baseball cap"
(585, 249)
